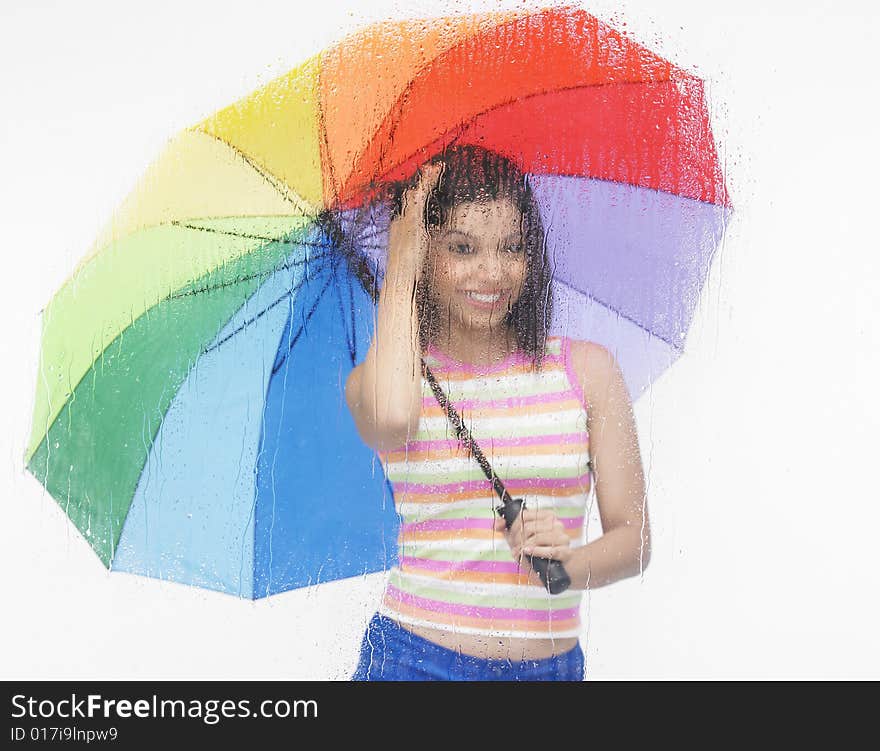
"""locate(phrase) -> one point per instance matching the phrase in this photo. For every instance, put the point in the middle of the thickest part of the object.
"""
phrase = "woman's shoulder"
(590, 365)
(581, 351)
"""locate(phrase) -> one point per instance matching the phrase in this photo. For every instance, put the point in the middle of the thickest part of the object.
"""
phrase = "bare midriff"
(494, 648)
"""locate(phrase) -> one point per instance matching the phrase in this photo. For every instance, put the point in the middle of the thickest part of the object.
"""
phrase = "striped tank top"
(455, 572)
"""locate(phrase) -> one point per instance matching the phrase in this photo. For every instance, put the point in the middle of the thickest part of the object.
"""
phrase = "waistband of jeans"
(389, 625)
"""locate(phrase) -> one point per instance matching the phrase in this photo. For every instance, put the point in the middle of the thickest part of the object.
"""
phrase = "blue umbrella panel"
(257, 481)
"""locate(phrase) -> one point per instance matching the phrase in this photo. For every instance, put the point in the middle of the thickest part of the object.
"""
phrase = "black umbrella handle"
(551, 570)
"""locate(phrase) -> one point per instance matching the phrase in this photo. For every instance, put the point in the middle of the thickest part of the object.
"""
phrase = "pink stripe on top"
(477, 610)
(512, 401)
(453, 366)
(434, 525)
(523, 484)
(539, 440)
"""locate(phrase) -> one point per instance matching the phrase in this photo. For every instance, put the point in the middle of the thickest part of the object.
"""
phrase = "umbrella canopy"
(190, 414)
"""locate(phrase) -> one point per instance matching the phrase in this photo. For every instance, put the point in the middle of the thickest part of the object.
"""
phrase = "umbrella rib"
(620, 313)
(349, 335)
(358, 240)
(247, 277)
(283, 189)
(353, 344)
(368, 235)
(302, 327)
(358, 236)
(325, 154)
(256, 317)
(247, 235)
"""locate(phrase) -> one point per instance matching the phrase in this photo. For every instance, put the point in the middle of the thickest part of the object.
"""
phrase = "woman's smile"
(487, 299)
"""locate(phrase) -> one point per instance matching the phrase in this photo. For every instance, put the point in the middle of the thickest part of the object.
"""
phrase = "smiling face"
(477, 264)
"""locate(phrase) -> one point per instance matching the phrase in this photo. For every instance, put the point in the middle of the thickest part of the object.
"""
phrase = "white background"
(760, 443)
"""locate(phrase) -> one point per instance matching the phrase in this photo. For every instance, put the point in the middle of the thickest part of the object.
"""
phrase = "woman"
(466, 288)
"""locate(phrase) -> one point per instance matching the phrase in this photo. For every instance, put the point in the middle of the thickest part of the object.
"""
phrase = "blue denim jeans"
(390, 652)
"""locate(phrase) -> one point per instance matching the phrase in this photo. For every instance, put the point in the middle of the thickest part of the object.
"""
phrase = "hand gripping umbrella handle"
(551, 570)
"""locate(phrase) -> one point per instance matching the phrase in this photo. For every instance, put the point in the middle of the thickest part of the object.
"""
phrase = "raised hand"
(407, 235)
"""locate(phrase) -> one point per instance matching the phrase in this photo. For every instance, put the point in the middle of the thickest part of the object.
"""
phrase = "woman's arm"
(624, 548)
(384, 392)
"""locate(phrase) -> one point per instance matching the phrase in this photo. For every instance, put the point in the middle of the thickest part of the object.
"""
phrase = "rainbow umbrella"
(190, 414)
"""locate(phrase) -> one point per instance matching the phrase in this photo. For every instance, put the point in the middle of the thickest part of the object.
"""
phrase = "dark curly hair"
(474, 173)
